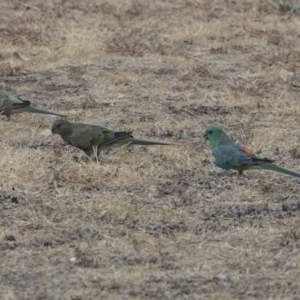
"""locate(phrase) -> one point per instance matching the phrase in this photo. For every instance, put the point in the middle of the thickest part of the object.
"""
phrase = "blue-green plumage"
(230, 155)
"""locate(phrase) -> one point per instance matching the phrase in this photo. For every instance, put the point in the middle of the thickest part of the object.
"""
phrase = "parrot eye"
(209, 132)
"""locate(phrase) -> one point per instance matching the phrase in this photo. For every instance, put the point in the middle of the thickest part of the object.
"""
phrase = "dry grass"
(156, 222)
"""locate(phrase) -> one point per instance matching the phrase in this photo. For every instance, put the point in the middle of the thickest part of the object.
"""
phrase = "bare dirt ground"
(155, 222)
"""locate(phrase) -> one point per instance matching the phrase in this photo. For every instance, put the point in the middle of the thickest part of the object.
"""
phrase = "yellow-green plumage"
(10, 104)
(92, 138)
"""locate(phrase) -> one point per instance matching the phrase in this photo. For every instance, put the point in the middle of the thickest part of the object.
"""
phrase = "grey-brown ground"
(154, 222)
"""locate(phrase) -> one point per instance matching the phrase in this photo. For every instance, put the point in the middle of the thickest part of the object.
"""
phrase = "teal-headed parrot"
(227, 154)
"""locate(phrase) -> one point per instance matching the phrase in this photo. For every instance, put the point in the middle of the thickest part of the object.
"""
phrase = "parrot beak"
(205, 136)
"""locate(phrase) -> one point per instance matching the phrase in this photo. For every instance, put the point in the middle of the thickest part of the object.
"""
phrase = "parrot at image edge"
(93, 138)
(10, 104)
(227, 154)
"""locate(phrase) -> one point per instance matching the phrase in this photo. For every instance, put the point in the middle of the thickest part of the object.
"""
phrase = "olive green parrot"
(93, 138)
(227, 154)
(10, 104)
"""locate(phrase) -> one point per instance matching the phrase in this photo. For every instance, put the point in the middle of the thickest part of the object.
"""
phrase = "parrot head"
(61, 127)
(213, 134)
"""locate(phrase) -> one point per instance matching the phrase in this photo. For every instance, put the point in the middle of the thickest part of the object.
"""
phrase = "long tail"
(145, 143)
(119, 138)
(36, 110)
(269, 166)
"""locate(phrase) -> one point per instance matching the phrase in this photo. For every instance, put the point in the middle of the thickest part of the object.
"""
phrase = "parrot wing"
(230, 156)
(115, 137)
(86, 137)
(227, 157)
(9, 101)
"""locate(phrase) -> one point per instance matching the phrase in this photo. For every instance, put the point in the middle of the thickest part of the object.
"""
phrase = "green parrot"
(93, 138)
(227, 154)
(10, 104)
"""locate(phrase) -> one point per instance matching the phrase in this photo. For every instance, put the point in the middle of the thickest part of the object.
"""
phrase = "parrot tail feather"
(269, 166)
(146, 143)
(36, 110)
